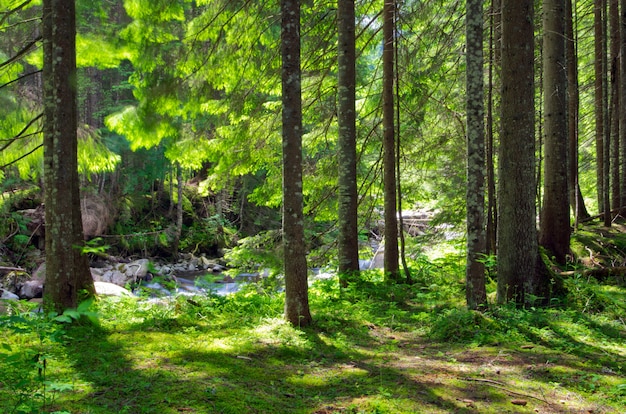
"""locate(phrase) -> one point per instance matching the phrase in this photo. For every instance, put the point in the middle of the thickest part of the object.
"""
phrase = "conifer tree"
(67, 269)
(296, 285)
(348, 242)
(475, 271)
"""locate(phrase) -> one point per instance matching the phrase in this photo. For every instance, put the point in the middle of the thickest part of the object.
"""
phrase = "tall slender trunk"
(517, 233)
(614, 109)
(347, 241)
(599, 72)
(296, 285)
(622, 112)
(392, 269)
(576, 200)
(494, 53)
(555, 224)
(67, 270)
(476, 295)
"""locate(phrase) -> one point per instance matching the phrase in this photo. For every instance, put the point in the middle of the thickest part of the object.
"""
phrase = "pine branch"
(21, 53)
(20, 78)
(2, 167)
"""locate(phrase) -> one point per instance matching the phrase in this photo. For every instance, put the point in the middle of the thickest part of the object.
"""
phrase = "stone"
(6, 295)
(110, 276)
(31, 289)
(137, 270)
(110, 289)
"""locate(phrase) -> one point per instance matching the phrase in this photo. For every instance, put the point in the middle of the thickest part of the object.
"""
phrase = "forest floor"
(373, 348)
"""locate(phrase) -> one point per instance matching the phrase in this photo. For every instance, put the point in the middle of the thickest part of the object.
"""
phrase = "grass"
(372, 349)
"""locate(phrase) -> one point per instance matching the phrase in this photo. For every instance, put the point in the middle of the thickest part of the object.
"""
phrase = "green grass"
(372, 349)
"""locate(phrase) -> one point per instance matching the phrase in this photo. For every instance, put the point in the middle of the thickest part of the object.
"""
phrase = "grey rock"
(110, 289)
(31, 289)
(6, 295)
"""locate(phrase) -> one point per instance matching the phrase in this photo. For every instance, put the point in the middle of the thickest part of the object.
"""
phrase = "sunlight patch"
(279, 331)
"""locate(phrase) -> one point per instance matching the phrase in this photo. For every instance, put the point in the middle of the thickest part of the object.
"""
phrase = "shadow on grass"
(196, 373)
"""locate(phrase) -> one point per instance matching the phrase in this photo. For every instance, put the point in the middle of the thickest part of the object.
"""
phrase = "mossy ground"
(372, 349)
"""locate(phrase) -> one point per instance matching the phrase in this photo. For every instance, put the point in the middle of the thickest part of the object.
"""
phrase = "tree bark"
(494, 51)
(622, 105)
(576, 200)
(391, 261)
(348, 240)
(614, 25)
(476, 295)
(68, 279)
(555, 224)
(517, 233)
(599, 98)
(296, 286)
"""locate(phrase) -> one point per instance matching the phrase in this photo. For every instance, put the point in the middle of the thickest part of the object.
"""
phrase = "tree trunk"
(606, 121)
(391, 261)
(615, 103)
(179, 209)
(599, 98)
(296, 286)
(475, 197)
(68, 279)
(348, 240)
(517, 233)
(494, 50)
(555, 224)
(622, 112)
(576, 200)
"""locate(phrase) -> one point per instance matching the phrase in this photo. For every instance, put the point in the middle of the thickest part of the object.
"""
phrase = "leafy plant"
(26, 368)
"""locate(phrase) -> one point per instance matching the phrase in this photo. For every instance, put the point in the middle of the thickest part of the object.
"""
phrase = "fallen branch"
(598, 272)
(11, 269)
(499, 385)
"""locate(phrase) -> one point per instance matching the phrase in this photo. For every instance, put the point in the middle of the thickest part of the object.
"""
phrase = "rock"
(13, 280)
(6, 295)
(136, 270)
(40, 272)
(110, 289)
(31, 289)
(218, 268)
(205, 262)
(110, 276)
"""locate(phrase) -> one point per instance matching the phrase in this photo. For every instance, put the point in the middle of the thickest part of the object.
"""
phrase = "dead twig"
(503, 387)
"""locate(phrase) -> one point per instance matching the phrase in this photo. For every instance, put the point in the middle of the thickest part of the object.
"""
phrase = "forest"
(371, 206)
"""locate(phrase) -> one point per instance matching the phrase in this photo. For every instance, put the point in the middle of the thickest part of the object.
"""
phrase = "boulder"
(6, 295)
(135, 271)
(110, 289)
(13, 280)
(113, 276)
(31, 289)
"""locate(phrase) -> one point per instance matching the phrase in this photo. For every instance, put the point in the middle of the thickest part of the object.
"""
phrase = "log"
(597, 272)
(11, 269)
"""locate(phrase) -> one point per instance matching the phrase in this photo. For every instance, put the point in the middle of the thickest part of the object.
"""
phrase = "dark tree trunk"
(622, 106)
(392, 254)
(68, 278)
(517, 233)
(555, 224)
(296, 286)
(494, 51)
(615, 104)
(475, 197)
(348, 240)
(576, 200)
(599, 98)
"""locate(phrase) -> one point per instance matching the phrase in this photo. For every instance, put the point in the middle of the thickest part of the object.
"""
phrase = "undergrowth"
(373, 347)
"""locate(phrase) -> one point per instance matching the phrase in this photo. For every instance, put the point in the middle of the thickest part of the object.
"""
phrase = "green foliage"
(207, 234)
(261, 250)
(25, 369)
